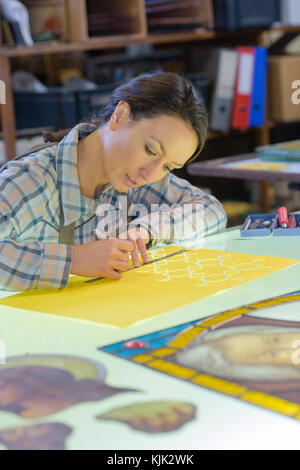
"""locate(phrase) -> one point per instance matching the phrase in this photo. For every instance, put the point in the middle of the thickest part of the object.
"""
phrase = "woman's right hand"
(106, 258)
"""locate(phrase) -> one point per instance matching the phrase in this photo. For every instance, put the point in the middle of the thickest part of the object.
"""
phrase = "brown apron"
(66, 233)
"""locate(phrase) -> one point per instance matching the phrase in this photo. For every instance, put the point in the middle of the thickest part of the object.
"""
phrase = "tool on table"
(266, 223)
(293, 222)
(146, 264)
(281, 224)
(258, 223)
(283, 217)
(247, 224)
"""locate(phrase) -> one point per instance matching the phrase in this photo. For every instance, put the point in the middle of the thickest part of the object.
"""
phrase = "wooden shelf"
(77, 32)
(268, 126)
(285, 28)
(54, 47)
(100, 43)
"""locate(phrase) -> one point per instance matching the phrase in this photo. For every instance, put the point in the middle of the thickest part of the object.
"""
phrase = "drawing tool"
(248, 224)
(292, 222)
(283, 217)
(150, 262)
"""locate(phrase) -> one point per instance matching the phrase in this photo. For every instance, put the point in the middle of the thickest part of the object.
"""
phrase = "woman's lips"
(129, 181)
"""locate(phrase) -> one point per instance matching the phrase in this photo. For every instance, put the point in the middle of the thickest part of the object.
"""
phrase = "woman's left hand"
(140, 237)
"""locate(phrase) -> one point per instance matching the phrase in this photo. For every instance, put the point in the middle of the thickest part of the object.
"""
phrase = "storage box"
(56, 108)
(287, 232)
(282, 72)
(241, 14)
(202, 83)
(91, 101)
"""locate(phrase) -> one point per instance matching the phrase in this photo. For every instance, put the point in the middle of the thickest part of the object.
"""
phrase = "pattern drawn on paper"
(127, 301)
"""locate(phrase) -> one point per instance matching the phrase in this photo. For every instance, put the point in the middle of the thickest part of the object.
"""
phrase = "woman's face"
(143, 152)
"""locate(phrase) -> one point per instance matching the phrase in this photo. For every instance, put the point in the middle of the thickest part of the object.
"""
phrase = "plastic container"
(91, 101)
(287, 232)
(56, 108)
(202, 83)
(246, 231)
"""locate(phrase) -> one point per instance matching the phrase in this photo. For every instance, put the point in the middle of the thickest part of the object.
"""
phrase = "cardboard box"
(282, 72)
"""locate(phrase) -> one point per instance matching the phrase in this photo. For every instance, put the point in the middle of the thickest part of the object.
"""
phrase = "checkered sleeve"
(25, 266)
(178, 211)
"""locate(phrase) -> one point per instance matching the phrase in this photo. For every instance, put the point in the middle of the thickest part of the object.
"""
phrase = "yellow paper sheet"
(151, 289)
(263, 166)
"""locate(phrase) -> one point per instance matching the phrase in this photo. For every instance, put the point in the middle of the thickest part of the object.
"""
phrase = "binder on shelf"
(243, 88)
(290, 12)
(258, 100)
(223, 92)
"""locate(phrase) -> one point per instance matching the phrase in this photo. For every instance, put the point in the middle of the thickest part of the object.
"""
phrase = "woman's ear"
(120, 115)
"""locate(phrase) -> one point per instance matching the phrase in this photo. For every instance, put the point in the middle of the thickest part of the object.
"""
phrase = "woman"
(153, 124)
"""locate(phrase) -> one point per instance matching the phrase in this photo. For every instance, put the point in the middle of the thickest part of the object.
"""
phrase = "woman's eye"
(149, 151)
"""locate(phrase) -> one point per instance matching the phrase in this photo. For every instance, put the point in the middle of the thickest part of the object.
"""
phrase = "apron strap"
(66, 233)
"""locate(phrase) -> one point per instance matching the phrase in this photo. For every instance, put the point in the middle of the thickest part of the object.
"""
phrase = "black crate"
(202, 83)
(90, 101)
(245, 14)
(56, 108)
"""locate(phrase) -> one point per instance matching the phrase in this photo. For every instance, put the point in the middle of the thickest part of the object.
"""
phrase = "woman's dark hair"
(153, 95)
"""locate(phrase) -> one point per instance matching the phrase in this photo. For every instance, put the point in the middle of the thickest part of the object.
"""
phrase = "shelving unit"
(39, 12)
(78, 39)
(131, 14)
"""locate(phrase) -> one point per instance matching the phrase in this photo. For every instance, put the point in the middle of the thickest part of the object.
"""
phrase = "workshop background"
(61, 59)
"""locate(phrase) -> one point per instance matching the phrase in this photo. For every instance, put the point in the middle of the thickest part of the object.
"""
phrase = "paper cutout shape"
(45, 436)
(154, 416)
(41, 385)
(152, 289)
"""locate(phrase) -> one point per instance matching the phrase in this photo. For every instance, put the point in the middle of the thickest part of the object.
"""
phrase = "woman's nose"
(149, 173)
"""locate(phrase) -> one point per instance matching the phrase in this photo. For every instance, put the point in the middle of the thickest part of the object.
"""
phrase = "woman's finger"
(135, 255)
(143, 249)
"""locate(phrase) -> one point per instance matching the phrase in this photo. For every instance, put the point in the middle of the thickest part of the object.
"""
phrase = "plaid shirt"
(31, 190)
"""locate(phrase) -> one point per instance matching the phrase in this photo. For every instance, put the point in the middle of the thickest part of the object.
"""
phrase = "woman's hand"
(139, 236)
(107, 258)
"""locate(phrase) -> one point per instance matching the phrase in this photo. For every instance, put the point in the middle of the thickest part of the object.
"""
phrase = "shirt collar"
(75, 204)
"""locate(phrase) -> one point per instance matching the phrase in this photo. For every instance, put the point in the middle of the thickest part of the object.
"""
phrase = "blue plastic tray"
(287, 232)
(258, 232)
